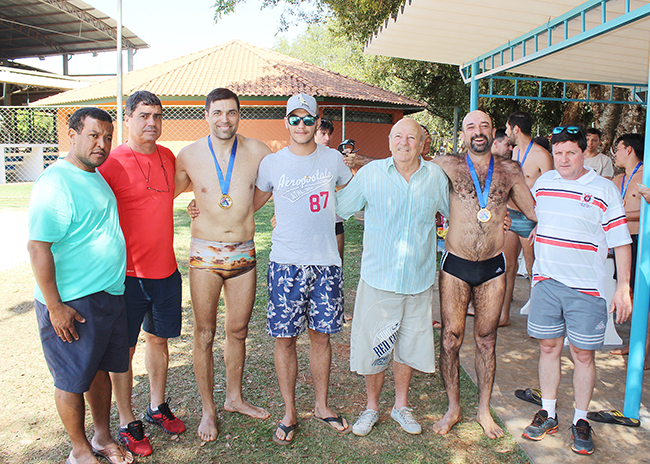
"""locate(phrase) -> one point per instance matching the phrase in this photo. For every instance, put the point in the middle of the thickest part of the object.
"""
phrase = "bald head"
(409, 123)
(406, 139)
(476, 117)
(477, 132)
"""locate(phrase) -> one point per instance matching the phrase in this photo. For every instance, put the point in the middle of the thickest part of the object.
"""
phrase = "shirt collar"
(583, 179)
(423, 164)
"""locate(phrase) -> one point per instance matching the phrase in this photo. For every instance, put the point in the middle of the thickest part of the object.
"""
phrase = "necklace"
(306, 176)
(148, 176)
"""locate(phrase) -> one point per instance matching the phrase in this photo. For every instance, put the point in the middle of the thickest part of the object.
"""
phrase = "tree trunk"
(574, 110)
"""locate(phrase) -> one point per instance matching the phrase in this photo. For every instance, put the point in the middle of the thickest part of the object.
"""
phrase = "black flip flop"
(330, 421)
(287, 429)
(532, 395)
(613, 416)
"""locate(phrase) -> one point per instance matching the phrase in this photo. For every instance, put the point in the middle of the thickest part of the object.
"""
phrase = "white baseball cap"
(302, 101)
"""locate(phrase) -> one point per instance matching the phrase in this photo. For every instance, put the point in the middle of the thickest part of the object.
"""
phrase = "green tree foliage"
(335, 41)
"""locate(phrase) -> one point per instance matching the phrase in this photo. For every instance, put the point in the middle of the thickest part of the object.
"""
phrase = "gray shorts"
(556, 310)
(388, 323)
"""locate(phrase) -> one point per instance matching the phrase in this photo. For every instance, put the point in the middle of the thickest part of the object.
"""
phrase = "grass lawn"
(30, 430)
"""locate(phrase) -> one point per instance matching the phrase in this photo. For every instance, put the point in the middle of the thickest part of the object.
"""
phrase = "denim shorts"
(521, 225)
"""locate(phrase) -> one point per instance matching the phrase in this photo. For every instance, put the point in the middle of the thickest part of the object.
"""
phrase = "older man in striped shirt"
(392, 313)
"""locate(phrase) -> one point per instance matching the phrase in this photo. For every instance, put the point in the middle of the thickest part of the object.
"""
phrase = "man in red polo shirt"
(141, 174)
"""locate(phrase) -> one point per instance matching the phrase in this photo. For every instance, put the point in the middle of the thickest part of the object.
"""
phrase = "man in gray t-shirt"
(304, 276)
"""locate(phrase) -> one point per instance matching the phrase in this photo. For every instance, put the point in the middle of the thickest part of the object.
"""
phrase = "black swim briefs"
(474, 273)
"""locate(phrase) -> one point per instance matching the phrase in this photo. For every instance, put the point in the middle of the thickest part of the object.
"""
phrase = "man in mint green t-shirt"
(78, 256)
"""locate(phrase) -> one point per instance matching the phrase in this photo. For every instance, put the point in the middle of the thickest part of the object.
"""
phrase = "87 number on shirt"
(315, 201)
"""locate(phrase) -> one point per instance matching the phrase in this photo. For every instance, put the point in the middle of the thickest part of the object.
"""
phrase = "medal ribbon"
(482, 195)
(225, 185)
(624, 185)
(530, 145)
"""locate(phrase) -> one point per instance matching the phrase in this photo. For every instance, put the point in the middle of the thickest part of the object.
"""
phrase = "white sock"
(549, 407)
(579, 414)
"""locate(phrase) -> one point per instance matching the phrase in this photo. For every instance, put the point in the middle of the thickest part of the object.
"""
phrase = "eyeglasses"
(309, 120)
(569, 129)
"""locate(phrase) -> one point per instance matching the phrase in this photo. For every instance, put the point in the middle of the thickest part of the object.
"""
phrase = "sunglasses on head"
(309, 120)
(569, 129)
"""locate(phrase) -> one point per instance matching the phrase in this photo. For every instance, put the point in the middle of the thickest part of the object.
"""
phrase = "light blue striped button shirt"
(399, 239)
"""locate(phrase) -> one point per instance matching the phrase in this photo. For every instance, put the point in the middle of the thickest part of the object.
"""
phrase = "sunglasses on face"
(295, 120)
(569, 129)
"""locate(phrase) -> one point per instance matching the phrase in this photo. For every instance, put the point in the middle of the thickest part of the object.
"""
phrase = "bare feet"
(112, 452)
(491, 429)
(246, 408)
(504, 323)
(444, 425)
(208, 428)
(621, 351)
(626, 350)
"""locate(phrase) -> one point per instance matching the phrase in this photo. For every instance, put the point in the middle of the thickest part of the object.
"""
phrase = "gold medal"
(225, 202)
(484, 215)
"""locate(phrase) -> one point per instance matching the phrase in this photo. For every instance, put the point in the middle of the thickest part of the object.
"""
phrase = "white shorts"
(384, 322)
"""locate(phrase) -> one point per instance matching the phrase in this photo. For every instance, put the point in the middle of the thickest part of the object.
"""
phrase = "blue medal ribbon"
(482, 195)
(624, 186)
(224, 184)
(530, 145)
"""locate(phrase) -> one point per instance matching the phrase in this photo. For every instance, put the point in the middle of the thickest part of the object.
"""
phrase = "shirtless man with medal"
(473, 266)
(222, 251)
(534, 161)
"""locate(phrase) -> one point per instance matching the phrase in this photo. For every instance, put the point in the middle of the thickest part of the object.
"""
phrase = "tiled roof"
(245, 69)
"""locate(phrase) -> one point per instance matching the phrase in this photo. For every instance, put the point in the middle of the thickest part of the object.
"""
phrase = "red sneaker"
(164, 418)
(133, 438)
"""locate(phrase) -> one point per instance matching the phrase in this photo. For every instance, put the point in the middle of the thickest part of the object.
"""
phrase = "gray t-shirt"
(602, 164)
(303, 192)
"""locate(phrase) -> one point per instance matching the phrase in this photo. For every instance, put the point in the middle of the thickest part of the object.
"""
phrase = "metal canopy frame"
(639, 92)
(543, 40)
(30, 28)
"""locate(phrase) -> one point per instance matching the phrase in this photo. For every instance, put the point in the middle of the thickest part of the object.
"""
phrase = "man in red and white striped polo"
(580, 215)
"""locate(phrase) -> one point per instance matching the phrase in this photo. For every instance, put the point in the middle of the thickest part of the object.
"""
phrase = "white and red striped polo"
(578, 220)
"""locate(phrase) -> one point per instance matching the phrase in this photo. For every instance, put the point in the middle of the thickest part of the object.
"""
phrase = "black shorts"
(635, 246)
(339, 228)
(102, 345)
(154, 304)
(474, 273)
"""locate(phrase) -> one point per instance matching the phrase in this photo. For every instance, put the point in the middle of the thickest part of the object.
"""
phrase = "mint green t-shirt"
(76, 211)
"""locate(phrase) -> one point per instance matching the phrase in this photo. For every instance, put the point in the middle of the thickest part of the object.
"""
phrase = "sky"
(173, 29)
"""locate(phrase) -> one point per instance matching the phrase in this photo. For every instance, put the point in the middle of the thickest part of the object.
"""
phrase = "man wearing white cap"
(304, 276)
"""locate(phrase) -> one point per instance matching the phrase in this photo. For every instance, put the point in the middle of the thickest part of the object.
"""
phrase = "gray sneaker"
(541, 426)
(364, 423)
(405, 418)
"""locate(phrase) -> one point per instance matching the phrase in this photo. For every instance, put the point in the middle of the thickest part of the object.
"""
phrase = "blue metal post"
(473, 88)
(634, 383)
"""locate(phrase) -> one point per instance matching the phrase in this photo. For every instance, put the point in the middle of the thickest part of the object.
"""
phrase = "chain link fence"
(32, 138)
